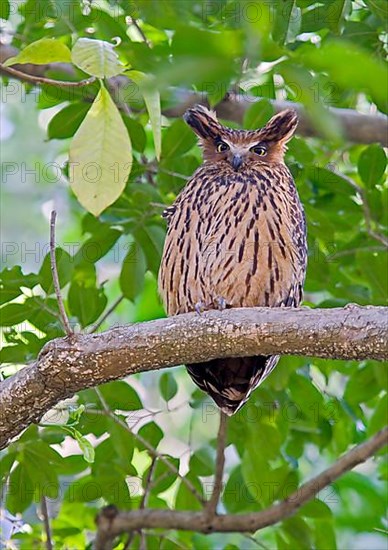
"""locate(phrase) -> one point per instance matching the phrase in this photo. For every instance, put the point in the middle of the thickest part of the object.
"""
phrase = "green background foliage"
(94, 449)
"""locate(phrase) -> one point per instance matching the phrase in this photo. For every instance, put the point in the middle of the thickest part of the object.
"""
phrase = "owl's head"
(241, 147)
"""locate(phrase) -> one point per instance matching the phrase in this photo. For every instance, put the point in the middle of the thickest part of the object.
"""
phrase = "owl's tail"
(230, 381)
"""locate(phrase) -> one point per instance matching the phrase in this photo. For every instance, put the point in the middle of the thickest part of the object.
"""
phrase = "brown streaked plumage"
(236, 238)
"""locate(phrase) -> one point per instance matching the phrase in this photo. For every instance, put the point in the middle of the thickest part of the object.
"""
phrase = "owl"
(236, 238)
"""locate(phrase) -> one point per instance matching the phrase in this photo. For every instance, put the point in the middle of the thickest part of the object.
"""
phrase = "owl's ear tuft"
(281, 127)
(203, 121)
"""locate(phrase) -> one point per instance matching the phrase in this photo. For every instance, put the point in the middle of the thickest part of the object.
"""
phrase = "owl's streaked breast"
(239, 236)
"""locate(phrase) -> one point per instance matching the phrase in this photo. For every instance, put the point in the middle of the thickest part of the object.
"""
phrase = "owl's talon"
(199, 308)
(221, 303)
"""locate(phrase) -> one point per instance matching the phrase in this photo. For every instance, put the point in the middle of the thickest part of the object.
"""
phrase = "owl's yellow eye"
(259, 150)
(222, 147)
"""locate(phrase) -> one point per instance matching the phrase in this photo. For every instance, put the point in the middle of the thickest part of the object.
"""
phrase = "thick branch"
(67, 365)
(356, 127)
(122, 522)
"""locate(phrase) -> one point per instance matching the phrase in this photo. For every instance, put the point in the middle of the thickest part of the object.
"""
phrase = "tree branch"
(211, 505)
(54, 273)
(122, 522)
(25, 77)
(357, 127)
(67, 365)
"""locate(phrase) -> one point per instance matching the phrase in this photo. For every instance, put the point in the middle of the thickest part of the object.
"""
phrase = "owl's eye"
(259, 150)
(222, 147)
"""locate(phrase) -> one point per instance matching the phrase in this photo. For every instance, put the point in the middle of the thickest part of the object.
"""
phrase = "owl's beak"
(237, 161)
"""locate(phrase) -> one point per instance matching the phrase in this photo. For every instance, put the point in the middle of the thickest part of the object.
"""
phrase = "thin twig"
(54, 272)
(153, 452)
(351, 251)
(43, 80)
(135, 23)
(211, 505)
(106, 314)
(168, 172)
(46, 523)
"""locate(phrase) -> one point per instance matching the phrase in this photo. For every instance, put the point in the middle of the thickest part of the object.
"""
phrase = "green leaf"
(136, 133)
(65, 123)
(133, 272)
(11, 281)
(362, 385)
(13, 314)
(152, 433)
(162, 477)
(316, 509)
(86, 303)
(46, 50)
(325, 535)
(4, 9)
(374, 267)
(122, 396)
(258, 114)
(65, 266)
(85, 446)
(151, 238)
(372, 164)
(150, 93)
(100, 156)
(168, 386)
(96, 57)
(177, 139)
(201, 462)
(20, 490)
(184, 497)
(380, 416)
(282, 21)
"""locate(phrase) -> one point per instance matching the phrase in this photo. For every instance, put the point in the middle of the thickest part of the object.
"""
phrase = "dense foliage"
(127, 161)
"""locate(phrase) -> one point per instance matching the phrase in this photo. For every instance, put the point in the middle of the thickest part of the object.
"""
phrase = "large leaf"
(65, 123)
(149, 90)
(96, 57)
(46, 50)
(100, 156)
(372, 164)
(133, 272)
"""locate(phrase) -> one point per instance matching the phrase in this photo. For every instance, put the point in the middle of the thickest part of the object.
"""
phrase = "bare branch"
(135, 23)
(107, 313)
(25, 77)
(356, 127)
(68, 365)
(252, 522)
(46, 523)
(211, 505)
(54, 272)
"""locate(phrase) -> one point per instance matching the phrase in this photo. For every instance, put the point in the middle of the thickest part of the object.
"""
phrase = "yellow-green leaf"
(150, 93)
(100, 156)
(46, 50)
(96, 57)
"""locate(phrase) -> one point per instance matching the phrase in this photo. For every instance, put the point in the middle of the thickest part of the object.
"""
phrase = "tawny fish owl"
(236, 238)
